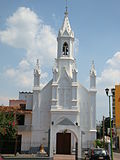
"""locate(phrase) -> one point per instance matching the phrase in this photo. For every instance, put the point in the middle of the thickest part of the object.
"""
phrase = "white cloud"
(109, 77)
(27, 31)
(22, 28)
(114, 62)
(24, 65)
(111, 74)
(10, 72)
(23, 78)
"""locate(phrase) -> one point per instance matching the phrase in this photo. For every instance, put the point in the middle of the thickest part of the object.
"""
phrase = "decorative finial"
(93, 71)
(37, 64)
(37, 61)
(66, 12)
(93, 66)
(37, 68)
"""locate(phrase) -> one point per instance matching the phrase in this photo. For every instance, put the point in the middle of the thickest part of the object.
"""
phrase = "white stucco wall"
(83, 104)
(25, 131)
(41, 117)
(26, 140)
(86, 113)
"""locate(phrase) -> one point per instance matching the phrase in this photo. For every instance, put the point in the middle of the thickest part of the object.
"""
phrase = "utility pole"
(103, 132)
(110, 95)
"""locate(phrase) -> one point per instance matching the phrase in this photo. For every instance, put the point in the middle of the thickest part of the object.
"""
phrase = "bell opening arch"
(65, 48)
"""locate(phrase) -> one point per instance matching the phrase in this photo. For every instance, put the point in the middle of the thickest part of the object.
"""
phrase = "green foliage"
(99, 143)
(8, 126)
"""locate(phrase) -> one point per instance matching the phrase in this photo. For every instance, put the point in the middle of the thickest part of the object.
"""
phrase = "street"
(71, 157)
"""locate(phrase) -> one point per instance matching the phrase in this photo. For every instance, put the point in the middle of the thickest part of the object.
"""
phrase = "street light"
(110, 95)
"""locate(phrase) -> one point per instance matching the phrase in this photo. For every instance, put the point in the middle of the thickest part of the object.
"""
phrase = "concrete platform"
(64, 157)
(24, 157)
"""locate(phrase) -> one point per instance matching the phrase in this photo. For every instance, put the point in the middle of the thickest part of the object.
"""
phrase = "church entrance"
(63, 143)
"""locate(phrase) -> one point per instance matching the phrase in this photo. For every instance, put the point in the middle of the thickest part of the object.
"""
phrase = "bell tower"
(65, 39)
(64, 86)
(65, 47)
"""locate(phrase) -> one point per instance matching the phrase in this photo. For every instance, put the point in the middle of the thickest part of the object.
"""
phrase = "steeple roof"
(66, 28)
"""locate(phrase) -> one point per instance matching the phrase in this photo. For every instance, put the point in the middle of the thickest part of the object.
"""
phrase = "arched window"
(65, 49)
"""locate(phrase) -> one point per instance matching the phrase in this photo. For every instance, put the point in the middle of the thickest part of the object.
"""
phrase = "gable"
(65, 121)
(64, 80)
(66, 33)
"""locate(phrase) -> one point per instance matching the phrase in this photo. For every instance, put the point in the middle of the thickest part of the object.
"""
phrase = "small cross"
(66, 12)
(66, 6)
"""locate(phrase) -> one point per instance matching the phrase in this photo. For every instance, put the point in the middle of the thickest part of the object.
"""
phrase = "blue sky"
(28, 30)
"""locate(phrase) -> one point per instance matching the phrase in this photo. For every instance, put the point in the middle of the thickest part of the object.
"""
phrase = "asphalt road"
(116, 156)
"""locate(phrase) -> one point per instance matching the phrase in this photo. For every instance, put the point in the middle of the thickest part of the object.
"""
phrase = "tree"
(8, 130)
(8, 126)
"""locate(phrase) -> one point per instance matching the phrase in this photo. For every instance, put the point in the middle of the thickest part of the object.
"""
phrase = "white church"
(63, 111)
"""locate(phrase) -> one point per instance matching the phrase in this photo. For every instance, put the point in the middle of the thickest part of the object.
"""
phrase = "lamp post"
(110, 95)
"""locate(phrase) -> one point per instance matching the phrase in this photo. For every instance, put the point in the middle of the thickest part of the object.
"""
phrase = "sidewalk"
(116, 156)
(64, 157)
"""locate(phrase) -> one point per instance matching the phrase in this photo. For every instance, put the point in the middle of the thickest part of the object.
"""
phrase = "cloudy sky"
(29, 28)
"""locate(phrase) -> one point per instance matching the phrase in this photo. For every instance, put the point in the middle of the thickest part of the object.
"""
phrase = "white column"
(79, 144)
(51, 142)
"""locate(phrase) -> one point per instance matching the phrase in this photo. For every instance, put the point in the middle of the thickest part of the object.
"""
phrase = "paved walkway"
(116, 156)
(64, 157)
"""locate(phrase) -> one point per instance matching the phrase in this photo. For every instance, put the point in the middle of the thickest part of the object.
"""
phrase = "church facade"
(63, 111)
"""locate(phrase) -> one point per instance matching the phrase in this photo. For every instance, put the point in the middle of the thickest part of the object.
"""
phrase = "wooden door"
(63, 143)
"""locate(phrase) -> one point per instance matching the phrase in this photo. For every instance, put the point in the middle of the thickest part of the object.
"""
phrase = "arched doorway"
(67, 127)
(66, 141)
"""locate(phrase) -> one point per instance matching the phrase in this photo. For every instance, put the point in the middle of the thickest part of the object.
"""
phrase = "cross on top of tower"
(66, 12)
